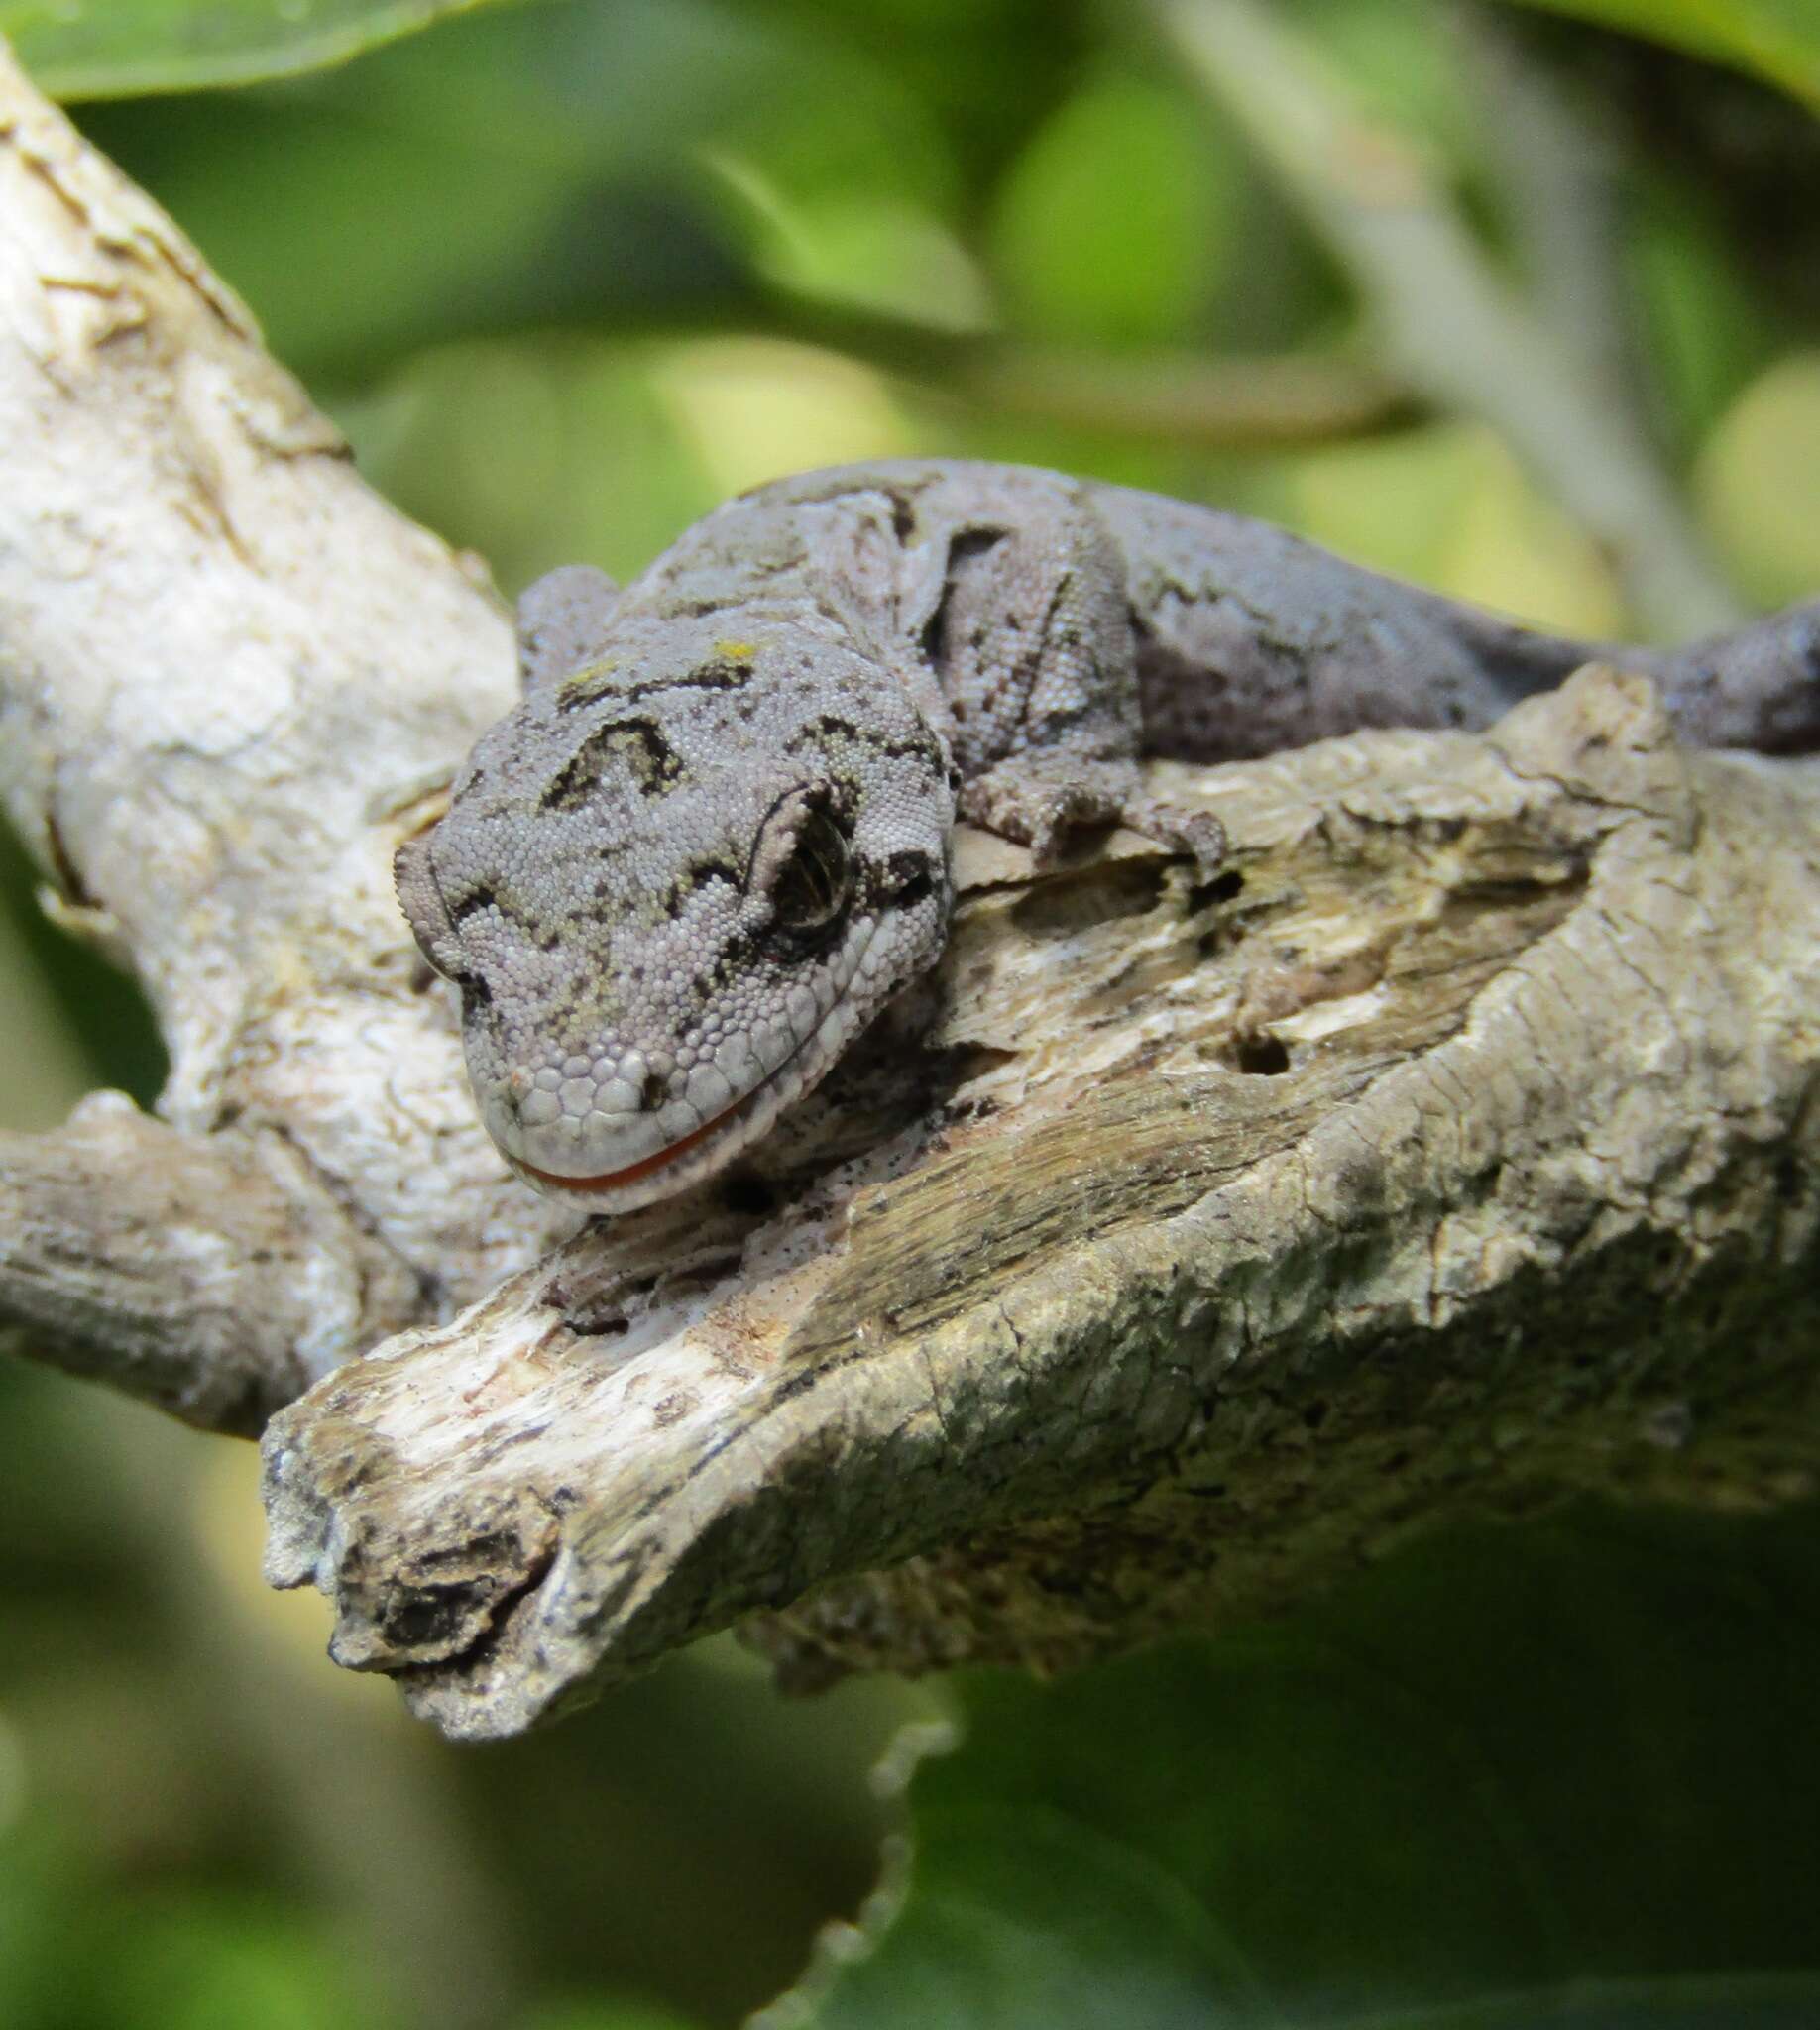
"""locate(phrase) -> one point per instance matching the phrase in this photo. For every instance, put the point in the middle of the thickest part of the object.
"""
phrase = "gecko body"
(713, 840)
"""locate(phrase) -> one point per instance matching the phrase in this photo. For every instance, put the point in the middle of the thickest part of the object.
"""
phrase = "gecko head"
(669, 913)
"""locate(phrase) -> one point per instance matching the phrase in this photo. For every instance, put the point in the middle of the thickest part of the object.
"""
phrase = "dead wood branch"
(1458, 1150)
(1457, 1147)
(231, 677)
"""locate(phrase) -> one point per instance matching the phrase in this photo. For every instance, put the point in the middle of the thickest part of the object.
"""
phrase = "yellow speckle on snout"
(736, 651)
(589, 673)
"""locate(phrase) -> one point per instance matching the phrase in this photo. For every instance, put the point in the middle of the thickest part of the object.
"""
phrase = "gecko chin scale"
(562, 1160)
(618, 1184)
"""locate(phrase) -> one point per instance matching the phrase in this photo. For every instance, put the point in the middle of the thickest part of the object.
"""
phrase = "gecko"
(714, 839)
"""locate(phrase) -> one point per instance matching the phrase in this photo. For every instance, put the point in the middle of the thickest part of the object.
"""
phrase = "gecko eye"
(810, 885)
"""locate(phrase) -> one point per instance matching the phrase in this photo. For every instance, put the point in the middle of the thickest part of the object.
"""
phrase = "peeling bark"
(1182, 1244)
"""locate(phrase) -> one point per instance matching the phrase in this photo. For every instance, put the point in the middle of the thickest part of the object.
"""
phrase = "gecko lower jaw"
(708, 1149)
(641, 1177)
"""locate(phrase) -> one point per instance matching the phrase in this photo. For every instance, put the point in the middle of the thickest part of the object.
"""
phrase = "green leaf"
(1777, 39)
(1118, 218)
(1517, 1777)
(117, 48)
(517, 168)
(80, 1951)
(195, 1963)
(557, 165)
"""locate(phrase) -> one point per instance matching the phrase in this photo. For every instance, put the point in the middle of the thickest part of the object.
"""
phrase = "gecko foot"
(1199, 833)
(1039, 805)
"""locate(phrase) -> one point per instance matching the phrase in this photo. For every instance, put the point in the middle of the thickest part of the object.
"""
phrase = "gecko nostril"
(655, 1092)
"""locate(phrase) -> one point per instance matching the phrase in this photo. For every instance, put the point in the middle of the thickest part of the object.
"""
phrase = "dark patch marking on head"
(895, 748)
(717, 673)
(908, 879)
(695, 877)
(637, 743)
(587, 685)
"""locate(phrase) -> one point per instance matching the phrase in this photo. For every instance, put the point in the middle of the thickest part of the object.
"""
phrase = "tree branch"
(230, 678)
(1222, 402)
(1454, 1152)
(1557, 167)
(1457, 1146)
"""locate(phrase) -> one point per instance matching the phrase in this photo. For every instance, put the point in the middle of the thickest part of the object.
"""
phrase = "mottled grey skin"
(714, 839)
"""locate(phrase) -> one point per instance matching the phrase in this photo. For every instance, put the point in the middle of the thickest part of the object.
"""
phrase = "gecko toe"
(1199, 833)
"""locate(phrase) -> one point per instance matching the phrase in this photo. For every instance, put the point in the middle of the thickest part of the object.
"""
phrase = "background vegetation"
(1523, 303)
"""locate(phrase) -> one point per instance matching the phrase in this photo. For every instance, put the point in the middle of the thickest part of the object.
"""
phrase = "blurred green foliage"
(568, 271)
(1779, 37)
(1505, 1778)
(202, 1823)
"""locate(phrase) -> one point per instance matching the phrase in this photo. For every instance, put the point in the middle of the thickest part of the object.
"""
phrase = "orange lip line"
(610, 1179)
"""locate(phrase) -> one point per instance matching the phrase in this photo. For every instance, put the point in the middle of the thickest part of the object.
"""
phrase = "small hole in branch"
(1263, 1055)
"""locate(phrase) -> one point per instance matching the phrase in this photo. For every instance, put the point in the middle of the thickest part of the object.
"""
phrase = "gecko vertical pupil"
(812, 884)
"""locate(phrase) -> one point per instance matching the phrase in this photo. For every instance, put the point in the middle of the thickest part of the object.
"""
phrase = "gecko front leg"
(561, 620)
(1031, 641)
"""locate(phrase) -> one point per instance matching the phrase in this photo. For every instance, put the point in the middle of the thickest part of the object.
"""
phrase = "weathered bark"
(1458, 1146)
(1458, 1149)
(231, 679)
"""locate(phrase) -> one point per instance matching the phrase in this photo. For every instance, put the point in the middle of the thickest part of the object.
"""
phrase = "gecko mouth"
(635, 1173)
(709, 1148)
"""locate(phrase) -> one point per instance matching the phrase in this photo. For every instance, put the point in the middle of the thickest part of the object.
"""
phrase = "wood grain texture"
(1454, 1152)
